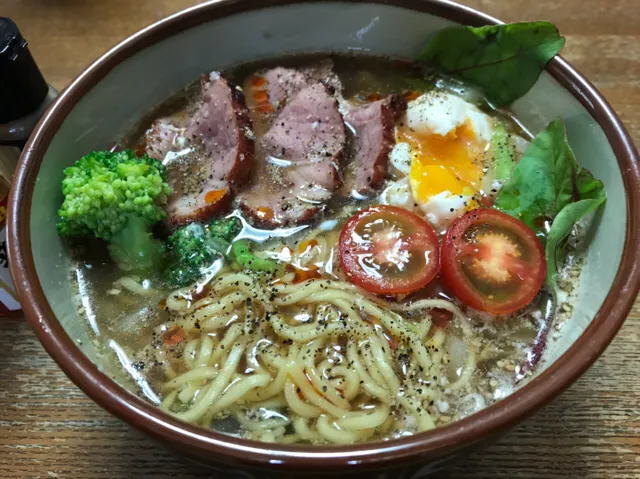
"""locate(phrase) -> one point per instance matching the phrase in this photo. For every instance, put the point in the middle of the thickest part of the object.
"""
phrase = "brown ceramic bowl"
(113, 94)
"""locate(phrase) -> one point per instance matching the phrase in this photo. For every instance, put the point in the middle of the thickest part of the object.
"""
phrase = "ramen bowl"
(116, 92)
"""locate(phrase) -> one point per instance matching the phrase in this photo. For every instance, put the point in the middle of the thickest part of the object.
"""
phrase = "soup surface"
(351, 284)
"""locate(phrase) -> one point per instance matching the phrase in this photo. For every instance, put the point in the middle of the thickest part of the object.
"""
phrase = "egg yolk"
(444, 163)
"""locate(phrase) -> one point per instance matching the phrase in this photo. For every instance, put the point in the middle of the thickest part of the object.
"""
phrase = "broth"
(306, 356)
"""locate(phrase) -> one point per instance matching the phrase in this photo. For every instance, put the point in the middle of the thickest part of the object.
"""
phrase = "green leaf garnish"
(542, 182)
(548, 185)
(594, 195)
(504, 61)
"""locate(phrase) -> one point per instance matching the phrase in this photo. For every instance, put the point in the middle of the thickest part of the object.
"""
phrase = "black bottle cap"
(22, 86)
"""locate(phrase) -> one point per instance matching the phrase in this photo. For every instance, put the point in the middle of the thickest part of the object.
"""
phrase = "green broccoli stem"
(134, 247)
(242, 255)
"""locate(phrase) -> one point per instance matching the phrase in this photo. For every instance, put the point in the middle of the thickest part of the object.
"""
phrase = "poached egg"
(441, 143)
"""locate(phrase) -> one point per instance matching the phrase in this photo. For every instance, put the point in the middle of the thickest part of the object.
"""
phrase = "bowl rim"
(198, 441)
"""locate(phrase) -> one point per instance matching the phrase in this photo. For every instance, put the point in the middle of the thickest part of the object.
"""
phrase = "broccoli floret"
(226, 228)
(116, 197)
(194, 248)
(191, 252)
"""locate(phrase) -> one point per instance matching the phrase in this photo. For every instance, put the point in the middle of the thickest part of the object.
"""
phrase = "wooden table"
(49, 429)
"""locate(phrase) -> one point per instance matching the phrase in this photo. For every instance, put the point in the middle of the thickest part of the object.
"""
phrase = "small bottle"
(24, 97)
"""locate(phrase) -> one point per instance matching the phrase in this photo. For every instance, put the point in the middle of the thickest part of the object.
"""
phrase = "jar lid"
(22, 86)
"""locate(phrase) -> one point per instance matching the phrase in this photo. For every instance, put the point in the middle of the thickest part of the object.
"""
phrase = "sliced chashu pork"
(273, 88)
(208, 159)
(162, 138)
(373, 125)
(304, 147)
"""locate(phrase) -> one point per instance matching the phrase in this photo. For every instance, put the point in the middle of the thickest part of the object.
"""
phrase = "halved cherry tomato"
(492, 261)
(389, 250)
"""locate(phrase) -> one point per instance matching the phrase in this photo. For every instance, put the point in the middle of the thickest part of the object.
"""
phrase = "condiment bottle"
(24, 97)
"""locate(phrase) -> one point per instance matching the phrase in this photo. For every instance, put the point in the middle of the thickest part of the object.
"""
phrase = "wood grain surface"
(50, 429)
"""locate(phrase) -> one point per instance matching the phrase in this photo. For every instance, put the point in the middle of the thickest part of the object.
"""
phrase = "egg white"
(440, 113)
(398, 193)
(441, 209)
(401, 157)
